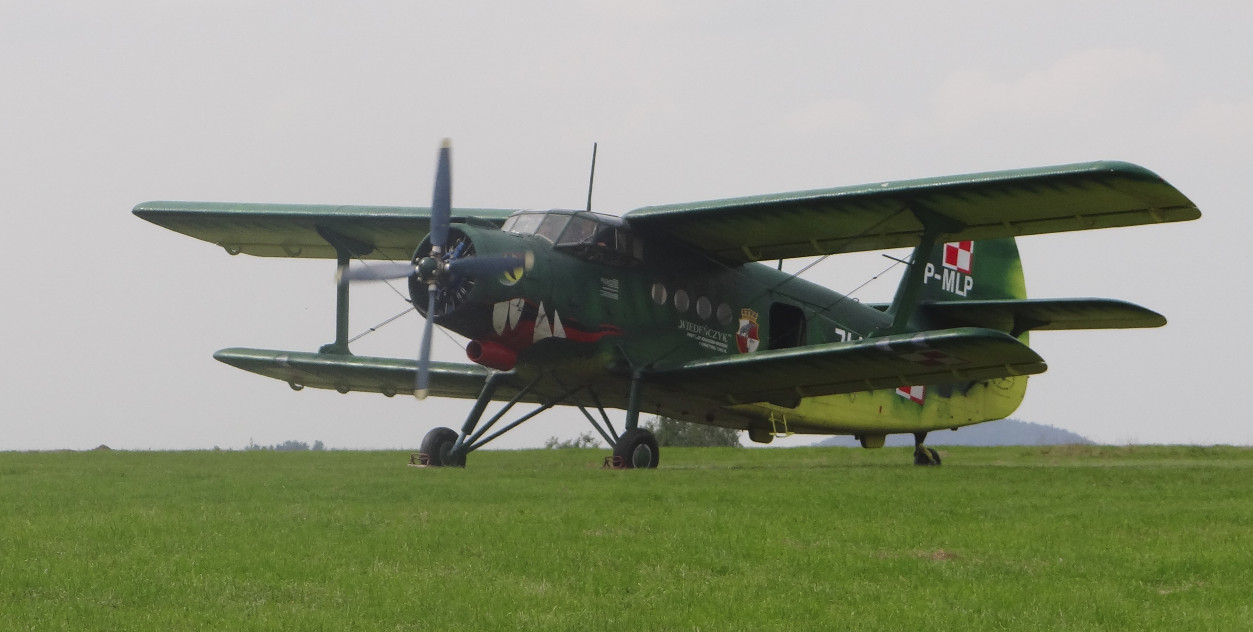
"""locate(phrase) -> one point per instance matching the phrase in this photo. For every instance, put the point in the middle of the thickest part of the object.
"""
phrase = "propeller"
(439, 270)
(441, 216)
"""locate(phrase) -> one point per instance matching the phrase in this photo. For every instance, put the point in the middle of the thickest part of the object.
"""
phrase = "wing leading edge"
(346, 373)
(301, 230)
(885, 215)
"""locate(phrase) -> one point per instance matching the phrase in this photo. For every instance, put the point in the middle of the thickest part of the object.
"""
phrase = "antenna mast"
(591, 179)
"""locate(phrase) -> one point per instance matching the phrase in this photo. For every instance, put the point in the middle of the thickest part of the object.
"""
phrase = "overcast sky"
(110, 322)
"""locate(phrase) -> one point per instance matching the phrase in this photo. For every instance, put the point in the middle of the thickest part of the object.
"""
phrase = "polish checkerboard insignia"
(959, 256)
(915, 394)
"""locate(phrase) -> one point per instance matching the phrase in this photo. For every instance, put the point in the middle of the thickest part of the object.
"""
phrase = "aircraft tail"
(985, 270)
(970, 283)
(964, 284)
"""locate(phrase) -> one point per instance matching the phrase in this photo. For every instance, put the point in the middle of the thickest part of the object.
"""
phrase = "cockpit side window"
(599, 238)
(551, 226)
(579, 231)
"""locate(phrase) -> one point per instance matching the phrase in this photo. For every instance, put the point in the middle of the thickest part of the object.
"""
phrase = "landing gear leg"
(922, 454)
(636, 447)
(445, 447)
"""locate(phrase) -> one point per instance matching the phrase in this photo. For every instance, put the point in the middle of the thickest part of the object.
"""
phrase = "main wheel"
(926, 456)
(437, 445)
(637, 448)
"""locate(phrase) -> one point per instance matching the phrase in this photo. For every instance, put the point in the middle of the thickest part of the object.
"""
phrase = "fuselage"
(599, 301)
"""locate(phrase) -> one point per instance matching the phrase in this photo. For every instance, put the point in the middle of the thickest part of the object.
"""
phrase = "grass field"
(1069, 538)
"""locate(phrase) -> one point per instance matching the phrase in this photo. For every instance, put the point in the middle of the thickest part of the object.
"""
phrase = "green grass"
(1070, 538)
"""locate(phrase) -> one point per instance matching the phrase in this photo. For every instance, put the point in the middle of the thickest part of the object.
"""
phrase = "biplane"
(678, 310)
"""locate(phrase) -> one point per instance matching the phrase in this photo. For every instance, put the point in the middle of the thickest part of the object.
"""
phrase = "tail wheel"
(637, 448)
(437, 446)
(926, 456)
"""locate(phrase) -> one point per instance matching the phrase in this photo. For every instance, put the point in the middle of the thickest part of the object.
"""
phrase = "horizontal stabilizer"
(1015, 316)
(301, 230)
(785, 376)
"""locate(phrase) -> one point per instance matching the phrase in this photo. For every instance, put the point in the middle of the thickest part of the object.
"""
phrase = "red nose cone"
(492, 355)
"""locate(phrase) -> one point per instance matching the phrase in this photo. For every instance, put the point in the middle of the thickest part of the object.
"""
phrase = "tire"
(436, 446)
(637, 449)
(925, 456)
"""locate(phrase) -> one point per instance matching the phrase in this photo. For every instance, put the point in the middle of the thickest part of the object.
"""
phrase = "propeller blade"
(487, 266)
(441, 204)
(379, 272)
(423, 385)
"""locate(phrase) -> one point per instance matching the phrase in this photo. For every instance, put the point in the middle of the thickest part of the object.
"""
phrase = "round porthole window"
(681, 301)
(659, 294)
(704, 308)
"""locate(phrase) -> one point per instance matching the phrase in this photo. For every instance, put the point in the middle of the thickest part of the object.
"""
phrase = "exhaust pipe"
(491, 355)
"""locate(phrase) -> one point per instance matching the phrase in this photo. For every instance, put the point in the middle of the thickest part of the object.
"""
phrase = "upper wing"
(784, 376)
(881, 216)
(304, 230)
(1018, 315)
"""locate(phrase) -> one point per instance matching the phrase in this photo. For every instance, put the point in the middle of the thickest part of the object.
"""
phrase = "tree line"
(669, 432)
(287, 446)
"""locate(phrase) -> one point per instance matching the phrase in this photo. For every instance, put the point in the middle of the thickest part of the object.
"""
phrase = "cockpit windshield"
(523, 223)
(591, 236)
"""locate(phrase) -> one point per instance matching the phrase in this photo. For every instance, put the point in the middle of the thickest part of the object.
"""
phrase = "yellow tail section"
(960, 271)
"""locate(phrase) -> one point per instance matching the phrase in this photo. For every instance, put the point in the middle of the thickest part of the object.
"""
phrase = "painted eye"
(513, 276)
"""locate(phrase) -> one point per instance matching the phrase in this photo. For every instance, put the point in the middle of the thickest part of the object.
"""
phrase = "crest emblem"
(746, 336)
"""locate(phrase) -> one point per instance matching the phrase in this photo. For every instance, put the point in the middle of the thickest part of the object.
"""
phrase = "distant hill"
(1003, 432)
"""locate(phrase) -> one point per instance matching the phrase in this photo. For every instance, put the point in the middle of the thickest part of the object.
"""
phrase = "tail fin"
(973, 271)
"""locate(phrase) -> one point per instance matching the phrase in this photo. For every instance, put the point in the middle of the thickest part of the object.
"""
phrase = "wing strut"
(471, 436)
(345, 250)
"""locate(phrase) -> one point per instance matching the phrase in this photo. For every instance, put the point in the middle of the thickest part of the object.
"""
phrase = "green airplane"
(669, 310)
